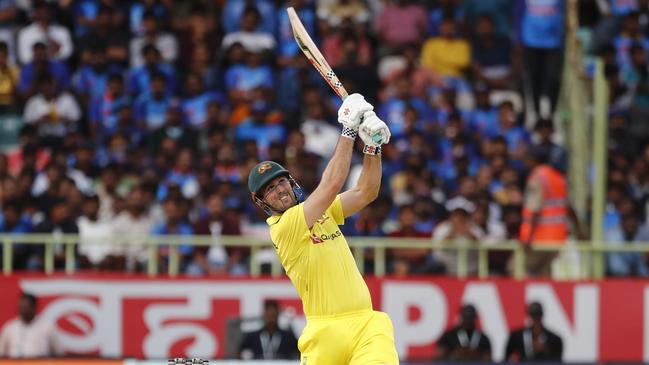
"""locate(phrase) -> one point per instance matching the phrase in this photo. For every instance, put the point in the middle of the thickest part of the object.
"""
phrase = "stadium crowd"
(144, 117)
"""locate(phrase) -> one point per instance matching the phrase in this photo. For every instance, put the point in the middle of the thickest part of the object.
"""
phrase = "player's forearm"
(369, 183)
(337, 169)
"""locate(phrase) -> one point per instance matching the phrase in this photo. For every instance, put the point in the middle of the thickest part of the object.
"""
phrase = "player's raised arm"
(368, 185)
(335, 174)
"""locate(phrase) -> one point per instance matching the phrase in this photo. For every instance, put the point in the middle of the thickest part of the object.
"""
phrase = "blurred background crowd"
(144, 117)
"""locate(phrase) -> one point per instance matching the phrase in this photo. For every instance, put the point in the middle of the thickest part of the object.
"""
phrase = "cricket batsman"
(342, 327)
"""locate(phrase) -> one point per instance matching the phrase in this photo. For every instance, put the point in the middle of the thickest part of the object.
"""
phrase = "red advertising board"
(126, 316)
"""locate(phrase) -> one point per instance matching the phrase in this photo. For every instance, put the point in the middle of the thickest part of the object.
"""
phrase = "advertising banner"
(129, 316)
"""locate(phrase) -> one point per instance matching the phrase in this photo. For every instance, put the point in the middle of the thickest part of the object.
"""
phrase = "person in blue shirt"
(627, 263)
(539, 29)
(196, 100)
(515, 135)
(394, 109)
(242, 79)
(175, 223)
(139, 79)
(256, 128)
(491, 55)
(151, 107)
(233, 11)
(139, 8)
(91, 78)
(41, 65)
(12, 222)
(483, 121)
(183, 175)
(104, 109)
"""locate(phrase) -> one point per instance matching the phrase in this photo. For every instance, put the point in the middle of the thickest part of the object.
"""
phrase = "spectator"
(407, 260)
(400, 22)
(271, 341)
(164, 42)
(394, 108)
(627, 263)
(8, 80)
(336, 12)
(111, 35)
(544, 145)
(173, 128)
(54, 113)
(29, 335)
(538, 30)
(152, 107)
(91, 79)
(183, 175)
(133, 224)
(9, 19)
(175, 224)
(491, 53)
(139, 77)
(59, 221)
(250, 36)
(630, 34)
(421, 78)
(242, 80)
(234, 10)
(13, 222)
(95, 248)
(196, 101)
(42, 30)
(447, 55)
(534, 342)
(139, 10)
(344, 40)
(257, 129)
(40, 66)
(458, 229)
(105, 108)
(465, 342)
(545, 214)
(216, 222)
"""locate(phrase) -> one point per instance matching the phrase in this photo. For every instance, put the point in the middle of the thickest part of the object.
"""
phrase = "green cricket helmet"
(263, 173)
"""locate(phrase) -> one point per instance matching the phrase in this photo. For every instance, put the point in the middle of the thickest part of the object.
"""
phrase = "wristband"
(372, 150)
(349, 133)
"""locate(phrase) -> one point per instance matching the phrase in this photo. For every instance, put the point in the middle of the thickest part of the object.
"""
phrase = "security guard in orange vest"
(546, 214)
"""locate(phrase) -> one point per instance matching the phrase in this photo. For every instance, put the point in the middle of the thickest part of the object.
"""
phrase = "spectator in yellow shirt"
(446, 54)
(8, 80)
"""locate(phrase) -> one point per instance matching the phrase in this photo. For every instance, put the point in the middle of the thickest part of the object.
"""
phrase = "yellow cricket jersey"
(319, 262)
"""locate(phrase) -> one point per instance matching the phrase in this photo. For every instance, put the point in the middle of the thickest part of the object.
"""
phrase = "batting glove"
(372, 127)
(350, 113)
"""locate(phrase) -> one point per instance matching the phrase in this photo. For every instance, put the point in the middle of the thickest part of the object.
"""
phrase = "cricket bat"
(318, 61)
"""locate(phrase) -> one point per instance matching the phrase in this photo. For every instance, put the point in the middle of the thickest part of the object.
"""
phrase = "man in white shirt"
(165, 42)
(56, 37)
(28, 335)
(55, 113)
(94, 235)
(135, 220)
(458, 229)
(251, 39)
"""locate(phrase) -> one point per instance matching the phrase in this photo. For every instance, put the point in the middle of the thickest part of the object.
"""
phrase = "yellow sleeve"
(288, 232)
(335, 211)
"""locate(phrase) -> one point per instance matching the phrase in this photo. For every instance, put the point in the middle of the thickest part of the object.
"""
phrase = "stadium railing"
(591, 254)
